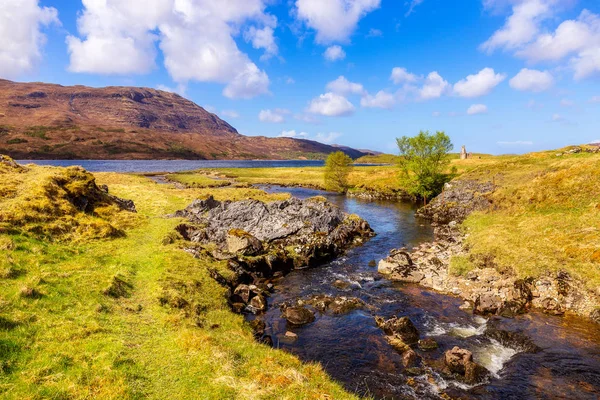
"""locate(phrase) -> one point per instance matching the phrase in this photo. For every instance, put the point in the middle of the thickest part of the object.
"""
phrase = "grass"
(198, 180)
(545, 216)
(99, 325)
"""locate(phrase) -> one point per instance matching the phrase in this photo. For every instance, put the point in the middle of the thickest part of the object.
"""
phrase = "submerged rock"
(427, 344)
(515, 340)
(298, 316)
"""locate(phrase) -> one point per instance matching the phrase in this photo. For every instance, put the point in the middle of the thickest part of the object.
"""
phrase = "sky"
(499, 76)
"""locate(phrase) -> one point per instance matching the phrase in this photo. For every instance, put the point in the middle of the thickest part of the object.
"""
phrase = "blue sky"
(500, 76)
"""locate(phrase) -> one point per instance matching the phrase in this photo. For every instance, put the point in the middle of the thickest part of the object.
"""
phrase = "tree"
(423, 160)
(337, 168)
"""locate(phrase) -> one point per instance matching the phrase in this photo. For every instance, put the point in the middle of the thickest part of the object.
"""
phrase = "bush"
(337, 168)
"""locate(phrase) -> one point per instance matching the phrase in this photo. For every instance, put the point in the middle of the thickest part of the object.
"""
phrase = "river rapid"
(353, 350)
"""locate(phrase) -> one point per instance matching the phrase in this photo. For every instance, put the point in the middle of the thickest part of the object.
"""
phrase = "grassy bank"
(82, 319)
(545, 216)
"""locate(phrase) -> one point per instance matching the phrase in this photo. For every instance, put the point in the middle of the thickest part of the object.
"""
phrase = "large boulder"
(241, 242)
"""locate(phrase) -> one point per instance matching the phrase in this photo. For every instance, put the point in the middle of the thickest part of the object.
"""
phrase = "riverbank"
(82, 318)
(518, 233)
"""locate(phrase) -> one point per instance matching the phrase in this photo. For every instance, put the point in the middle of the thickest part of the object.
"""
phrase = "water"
(126, 166)
(353, 350)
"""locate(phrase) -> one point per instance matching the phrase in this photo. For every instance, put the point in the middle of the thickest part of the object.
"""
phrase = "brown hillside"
(46, 121)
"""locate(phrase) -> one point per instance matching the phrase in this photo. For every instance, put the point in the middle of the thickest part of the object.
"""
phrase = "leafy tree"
(423, 160)
(337, 168)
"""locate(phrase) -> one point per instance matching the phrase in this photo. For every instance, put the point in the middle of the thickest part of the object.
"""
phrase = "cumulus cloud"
(333, 20)
(327, 138)
(334, 53)
(273, 116)
(434, 87)
(382, 99)
(577, 39)
(477, 109)
(330, 105)
(21, 37)
(344, 87)
(374, 33)
(179, 89)
(293, 134)
(195, 36)
(401, 75)
(521, 27)
(532, 80)
(479, 84)
(230, 114)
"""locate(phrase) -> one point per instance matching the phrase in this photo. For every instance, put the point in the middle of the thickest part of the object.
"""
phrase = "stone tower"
(463, 153)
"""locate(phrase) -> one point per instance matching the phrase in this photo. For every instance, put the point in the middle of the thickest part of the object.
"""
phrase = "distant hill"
(47, 121)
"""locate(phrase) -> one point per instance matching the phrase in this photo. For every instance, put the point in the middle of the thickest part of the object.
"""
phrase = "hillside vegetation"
(545, 215)
(102, 316)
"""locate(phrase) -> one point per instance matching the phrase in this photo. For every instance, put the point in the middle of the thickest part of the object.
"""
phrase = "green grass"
(78, 340)
(198, 180)
(545, 216)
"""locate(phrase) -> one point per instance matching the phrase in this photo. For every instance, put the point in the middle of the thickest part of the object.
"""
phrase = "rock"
(459, 199)
(414, 371)
(258, 303)
(460, 362)
(291, 335)
(397, 343)
(239, 241)
(552, 306)
(343, 305)
(298, 315)
(427, 344)
(320, 302)
(409, 358)
(595, 315)
(487, 303)
(340, 284)
(258, 326)
(241, 294)
(372, 263)
(402, 327)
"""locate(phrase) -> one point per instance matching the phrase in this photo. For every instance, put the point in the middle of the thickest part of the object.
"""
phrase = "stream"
(353, 350)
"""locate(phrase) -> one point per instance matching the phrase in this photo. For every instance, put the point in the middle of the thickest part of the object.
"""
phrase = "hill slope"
(46, 121)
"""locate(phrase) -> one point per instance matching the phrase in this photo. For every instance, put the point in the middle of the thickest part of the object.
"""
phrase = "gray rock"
(298, 315)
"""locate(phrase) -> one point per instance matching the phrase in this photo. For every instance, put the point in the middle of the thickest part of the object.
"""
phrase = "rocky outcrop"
(261, 241)
(458, 199)
(488, 291)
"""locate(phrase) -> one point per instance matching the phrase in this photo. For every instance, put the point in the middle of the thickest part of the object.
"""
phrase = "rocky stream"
(372, 327)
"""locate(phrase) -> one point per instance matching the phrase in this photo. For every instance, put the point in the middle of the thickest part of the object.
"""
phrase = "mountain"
(47, 121)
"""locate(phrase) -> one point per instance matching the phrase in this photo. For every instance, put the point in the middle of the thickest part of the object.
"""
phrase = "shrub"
(337, 169)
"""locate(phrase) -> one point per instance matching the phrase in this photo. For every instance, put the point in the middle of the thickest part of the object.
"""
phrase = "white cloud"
(195, 36)
(435, 86)
(532, 80)
(517, 143)
(21, 37)
(382, 99)
(293, 134)
(436, 114)
(334, 20)
(230, 114)
(411, 8)
(374, 33)
(534, 105)
(344, 87)
(567, 103)
(179, 89)
(401, 75)
(327, 138)
(334, 53)
(263, 39)
(521, 27)
(595, 99)
(330, 105)
(595, 141)
(479, 84)
(477, 109)
(276, 116)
